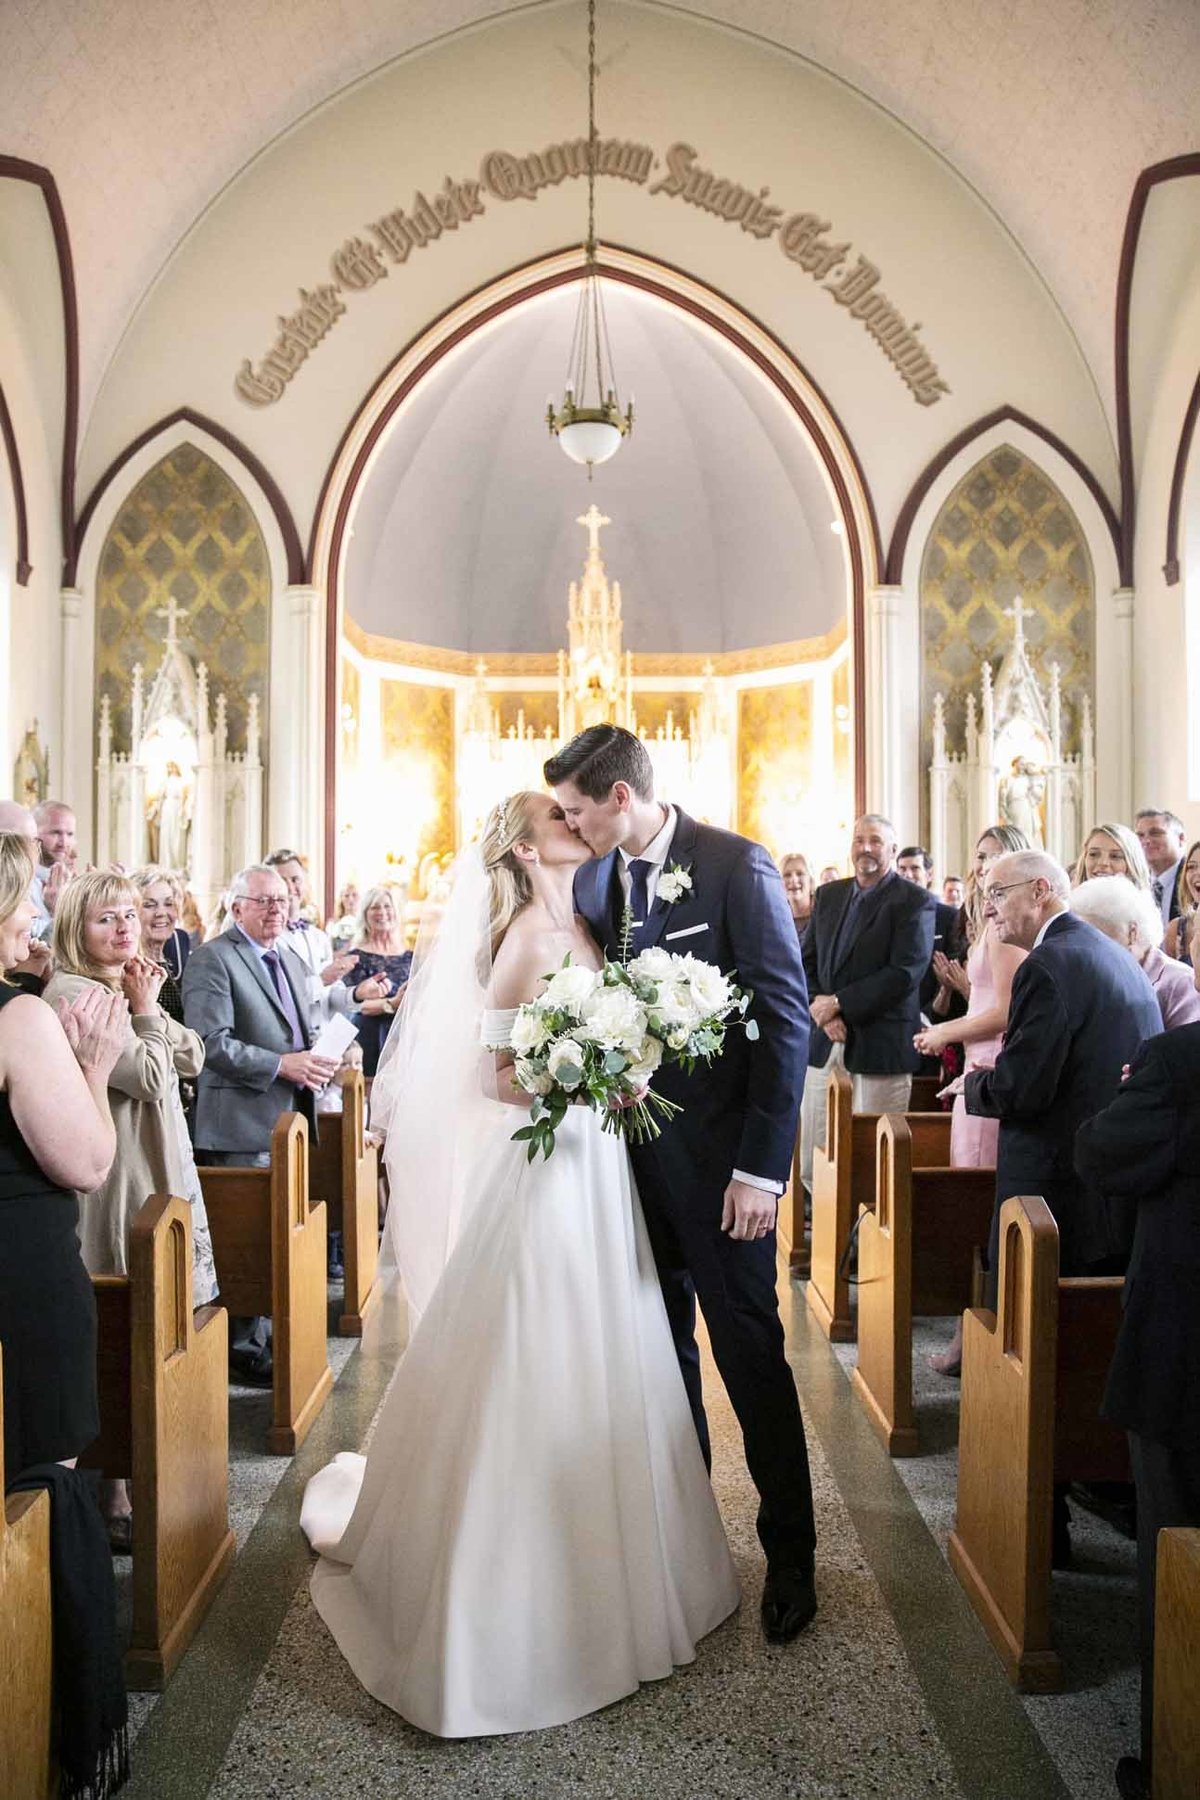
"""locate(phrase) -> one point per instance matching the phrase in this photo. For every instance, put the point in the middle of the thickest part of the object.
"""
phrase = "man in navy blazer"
(710, 1184)
(867, 949)
(1080, 1008)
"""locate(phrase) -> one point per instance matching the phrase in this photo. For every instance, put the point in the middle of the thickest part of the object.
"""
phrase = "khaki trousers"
(871, 1094)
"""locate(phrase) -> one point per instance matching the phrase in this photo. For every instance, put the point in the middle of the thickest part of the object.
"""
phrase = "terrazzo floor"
(893, 1692)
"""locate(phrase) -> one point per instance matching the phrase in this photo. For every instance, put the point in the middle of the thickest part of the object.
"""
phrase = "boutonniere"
(674, 883)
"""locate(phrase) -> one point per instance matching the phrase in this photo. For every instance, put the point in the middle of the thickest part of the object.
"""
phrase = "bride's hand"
(622, 1102)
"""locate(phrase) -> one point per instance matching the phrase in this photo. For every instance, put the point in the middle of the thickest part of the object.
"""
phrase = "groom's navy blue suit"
(739, 1113)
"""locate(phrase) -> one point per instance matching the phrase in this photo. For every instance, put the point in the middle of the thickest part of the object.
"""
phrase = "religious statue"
(1020, 797)
(31, 772)
(169, 814)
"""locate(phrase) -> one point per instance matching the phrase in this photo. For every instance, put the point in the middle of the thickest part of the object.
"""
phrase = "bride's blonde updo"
(512, 822)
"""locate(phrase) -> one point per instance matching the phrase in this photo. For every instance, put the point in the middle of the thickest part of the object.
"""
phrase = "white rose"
(612, 1017)
(528, 1031)
(531, 1078)
(674, 1006)
(649, 1056)
(710, 988)
(571, 987)
(565, 1063)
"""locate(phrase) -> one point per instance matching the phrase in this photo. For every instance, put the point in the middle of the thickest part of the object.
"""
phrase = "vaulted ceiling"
(143, 112)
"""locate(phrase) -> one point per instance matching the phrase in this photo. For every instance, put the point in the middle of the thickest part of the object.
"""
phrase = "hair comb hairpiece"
(502, 819)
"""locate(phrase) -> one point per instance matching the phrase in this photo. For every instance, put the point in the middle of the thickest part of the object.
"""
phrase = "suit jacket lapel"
(254, 963)
(845, 948)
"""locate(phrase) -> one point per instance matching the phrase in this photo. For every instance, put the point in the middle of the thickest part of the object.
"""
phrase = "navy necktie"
(1158, 892)
(286, 998)
(639, 894)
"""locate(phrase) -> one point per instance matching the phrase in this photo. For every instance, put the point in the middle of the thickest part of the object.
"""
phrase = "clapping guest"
(1111, 850)
(164, 940)
(326, 969)
(51, 1069)
(1181, 931)
(1131, 918)
(57, 853)
(991, 966)
(798, 886)
(96, 944)
(380, 973)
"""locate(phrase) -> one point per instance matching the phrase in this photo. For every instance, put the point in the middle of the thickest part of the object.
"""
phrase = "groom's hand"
(749, 1212)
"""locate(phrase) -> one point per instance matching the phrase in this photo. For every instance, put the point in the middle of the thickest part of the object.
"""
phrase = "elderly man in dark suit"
(868, 948)
(246, 994)
(1080, 1008)
(1145, 1148)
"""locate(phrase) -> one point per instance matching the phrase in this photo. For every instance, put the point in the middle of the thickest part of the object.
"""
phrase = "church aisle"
(885, 1696)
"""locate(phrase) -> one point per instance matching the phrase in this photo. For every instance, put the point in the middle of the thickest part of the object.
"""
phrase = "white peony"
(675, 1007)
(532, 1078)
(710, 988)
(654, 964)
(565, 1063)
(571, 987)
(614, 1018)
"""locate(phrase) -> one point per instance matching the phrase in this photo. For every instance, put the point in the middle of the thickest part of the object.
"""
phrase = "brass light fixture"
(589, 424)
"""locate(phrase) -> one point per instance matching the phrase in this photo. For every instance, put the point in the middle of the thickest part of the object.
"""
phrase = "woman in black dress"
(56, 1135)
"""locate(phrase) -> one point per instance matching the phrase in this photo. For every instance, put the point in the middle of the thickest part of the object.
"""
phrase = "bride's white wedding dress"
(533, 1532)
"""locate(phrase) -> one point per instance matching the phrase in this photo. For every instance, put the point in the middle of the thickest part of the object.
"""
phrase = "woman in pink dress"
(989, 973)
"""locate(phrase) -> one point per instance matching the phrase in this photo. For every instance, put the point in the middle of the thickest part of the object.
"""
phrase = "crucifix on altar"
(595, 675)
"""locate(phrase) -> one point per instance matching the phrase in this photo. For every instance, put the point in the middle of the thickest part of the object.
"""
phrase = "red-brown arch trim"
(1003, 415)
(1147, 181)
(15, 168)
(1175, 506)
(24, 567)
(683, 302)
(293, 549)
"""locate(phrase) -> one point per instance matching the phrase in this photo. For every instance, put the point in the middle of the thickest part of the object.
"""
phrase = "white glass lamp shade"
(590, 440)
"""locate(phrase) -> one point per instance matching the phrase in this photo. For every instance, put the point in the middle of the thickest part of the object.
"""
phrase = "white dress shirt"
(656, 854)
(1163, 888)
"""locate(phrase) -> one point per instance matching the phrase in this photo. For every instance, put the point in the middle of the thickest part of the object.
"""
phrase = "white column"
(72, 780)
(296, 772)
(893, 686)
(1114, 710)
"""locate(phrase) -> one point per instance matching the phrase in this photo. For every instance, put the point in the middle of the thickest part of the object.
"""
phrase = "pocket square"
(688, 931)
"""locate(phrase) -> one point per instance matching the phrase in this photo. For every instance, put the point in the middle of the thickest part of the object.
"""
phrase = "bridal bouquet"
(600, 1035)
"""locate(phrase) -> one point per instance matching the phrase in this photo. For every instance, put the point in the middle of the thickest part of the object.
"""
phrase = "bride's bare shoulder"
(522, 961)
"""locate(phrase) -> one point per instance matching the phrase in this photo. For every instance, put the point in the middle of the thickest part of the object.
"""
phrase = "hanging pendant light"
(589, 424)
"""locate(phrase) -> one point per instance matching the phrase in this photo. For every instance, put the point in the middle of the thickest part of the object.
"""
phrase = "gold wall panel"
(843, 739)
(541, 710)
(652, 709)
(185, 531)
(775, 765)
(417, 725)
(1005, 530)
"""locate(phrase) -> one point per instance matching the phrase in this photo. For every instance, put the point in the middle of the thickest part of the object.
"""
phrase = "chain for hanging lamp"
(590, 424)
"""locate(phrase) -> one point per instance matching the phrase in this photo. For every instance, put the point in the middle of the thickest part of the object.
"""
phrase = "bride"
(533, 1532)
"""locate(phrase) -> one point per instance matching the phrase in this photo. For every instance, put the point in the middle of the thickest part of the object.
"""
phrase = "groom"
(710, 1185)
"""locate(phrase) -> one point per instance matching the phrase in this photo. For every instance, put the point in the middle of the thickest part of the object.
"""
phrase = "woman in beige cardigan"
(97, 930)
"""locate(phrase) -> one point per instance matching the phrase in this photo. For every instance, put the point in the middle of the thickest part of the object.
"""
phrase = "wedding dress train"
(533, 1533)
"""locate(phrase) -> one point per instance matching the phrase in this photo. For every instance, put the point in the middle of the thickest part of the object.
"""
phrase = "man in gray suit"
(246, 994)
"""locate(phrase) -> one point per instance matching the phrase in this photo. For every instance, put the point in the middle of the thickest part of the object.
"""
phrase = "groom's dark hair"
(597, 757)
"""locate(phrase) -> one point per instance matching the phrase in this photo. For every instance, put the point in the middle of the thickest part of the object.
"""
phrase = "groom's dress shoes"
(789, 1602)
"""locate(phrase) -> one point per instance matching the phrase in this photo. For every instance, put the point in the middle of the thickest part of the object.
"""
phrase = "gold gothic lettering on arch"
(851, 279)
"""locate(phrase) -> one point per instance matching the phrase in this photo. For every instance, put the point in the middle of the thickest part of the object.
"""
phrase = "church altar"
(1013, 767)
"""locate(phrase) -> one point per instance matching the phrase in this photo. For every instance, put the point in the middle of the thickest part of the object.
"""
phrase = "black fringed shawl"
(89, 1681)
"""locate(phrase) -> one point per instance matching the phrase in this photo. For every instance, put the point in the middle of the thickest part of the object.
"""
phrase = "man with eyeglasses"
(246, 994)
(1080, 1008)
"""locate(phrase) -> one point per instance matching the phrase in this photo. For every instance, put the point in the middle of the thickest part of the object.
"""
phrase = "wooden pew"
(1176, 1773)
(164, 1424)
(843, 1181)
(269, 1246)
(915, 1258)
(1032, 1381)
(344, 1173)
(26, 1675)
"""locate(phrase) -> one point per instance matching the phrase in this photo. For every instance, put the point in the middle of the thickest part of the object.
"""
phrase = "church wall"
(754, 115)
(1166, 668)
(31, 687)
